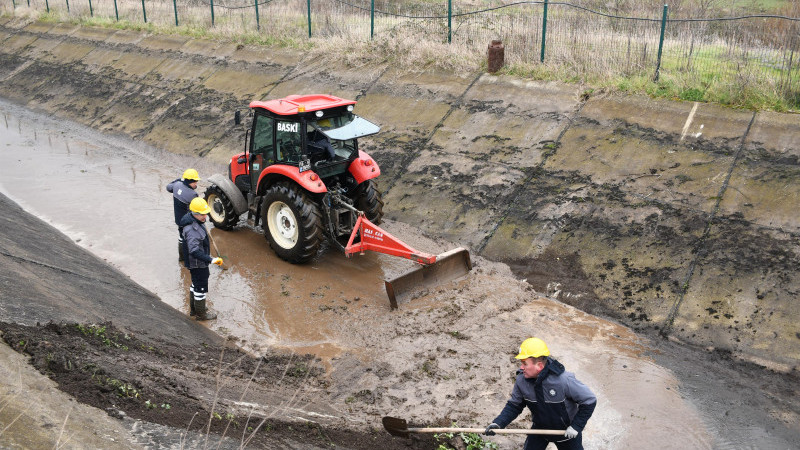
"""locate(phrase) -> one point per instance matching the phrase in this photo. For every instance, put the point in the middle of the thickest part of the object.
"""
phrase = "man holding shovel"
(198, 257)
(554, 396)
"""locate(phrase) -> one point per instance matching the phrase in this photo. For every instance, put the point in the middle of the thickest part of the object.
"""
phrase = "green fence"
(576, 42)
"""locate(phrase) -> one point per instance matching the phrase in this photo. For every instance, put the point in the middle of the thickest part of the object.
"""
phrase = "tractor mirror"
(237, 118)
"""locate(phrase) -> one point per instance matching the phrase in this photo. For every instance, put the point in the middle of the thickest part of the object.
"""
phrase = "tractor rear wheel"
(222, 213)
(292, 222)
(368, 199)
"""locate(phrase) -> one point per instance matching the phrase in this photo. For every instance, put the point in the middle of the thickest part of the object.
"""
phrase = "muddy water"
(109, 196)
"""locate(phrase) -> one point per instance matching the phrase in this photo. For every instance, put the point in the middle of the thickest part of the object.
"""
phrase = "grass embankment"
(712, 72)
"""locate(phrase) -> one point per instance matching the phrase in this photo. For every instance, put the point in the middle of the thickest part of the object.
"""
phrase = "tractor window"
(344, 127)
(287, 141)
(262, 139)
(335, 129)
(263, 151)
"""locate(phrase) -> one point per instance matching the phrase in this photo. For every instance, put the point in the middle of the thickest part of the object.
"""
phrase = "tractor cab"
(316, 133)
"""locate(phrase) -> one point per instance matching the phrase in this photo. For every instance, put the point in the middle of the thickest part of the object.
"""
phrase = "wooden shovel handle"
(214, 243)
(481, 430)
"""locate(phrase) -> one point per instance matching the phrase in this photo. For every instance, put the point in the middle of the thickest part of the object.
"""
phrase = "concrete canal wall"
(672, 217)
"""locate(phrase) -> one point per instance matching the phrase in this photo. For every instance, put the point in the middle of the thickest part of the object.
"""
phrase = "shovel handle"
(214, 243)
(481, 430)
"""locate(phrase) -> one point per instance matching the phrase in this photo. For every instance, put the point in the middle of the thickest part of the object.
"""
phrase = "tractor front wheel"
(292, 223)
(222, 213)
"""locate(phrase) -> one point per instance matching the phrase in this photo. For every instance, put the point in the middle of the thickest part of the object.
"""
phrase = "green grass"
(762, 5)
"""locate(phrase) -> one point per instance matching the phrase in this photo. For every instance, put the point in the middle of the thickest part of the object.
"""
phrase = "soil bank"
(671, 217)
(590, 223)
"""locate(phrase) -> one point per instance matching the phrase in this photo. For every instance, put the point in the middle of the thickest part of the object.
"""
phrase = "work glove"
(217, 261)
(571, 433)
(492, 426)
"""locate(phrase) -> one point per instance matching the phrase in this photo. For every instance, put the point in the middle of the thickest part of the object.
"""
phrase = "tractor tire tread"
(309, 223)
(369, 199)
(230, 217)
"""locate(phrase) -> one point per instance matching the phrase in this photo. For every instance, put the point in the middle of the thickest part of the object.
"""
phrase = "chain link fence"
(757, 52)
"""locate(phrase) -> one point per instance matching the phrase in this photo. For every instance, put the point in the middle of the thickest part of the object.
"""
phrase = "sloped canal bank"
(670, 215)
(443, 358)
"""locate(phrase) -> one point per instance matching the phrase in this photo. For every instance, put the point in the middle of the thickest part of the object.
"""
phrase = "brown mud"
(440, 359)
(603, 204)
(171, 384)
(644, 193)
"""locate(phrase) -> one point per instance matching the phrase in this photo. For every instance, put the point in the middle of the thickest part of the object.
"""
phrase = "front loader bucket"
(448, 266)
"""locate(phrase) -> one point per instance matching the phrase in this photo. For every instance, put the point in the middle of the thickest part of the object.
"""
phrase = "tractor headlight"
(349, 108)
(318, 113)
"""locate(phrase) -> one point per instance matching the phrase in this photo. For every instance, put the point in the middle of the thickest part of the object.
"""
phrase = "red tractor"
(303, 177)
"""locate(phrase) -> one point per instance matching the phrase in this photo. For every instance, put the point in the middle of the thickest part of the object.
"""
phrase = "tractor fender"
(230, 189)
(364, 168)
(308, 180)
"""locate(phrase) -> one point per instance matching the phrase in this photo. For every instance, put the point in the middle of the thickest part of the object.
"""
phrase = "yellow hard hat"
(190, 174)
(199, 206)
(532, 348)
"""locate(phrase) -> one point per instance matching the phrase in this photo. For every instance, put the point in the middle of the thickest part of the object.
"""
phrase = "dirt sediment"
(621, 206)
(645, 194)
(188, 388)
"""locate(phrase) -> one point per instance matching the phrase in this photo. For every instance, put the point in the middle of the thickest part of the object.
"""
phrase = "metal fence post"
(67, 6)
(372, 19)
(544, 29)
(91, 10)
(258, 17)
(116, 10)
(212, 13)
(661, 42)
(309, 17)
(175, 8)
(47, 4)
(449, 21)
(14, 2)
(144, 12)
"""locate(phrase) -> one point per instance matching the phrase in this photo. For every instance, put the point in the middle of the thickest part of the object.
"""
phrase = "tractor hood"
(352, 129)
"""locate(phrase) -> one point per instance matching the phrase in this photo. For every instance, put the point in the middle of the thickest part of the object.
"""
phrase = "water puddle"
(108, 195)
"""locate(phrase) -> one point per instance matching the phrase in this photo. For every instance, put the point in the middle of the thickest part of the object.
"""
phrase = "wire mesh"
(744, 52)
(580, 42)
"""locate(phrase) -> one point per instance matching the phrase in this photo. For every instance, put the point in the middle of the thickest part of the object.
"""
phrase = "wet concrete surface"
(111, 200)
(555, 196)
(516, 170)
(435, 358)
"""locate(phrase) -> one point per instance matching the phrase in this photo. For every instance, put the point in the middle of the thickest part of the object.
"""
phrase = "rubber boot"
(180, 252)
(203, 313)
(192, 310)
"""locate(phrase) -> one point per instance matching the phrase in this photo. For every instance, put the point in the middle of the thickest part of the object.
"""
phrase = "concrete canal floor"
(603, 225)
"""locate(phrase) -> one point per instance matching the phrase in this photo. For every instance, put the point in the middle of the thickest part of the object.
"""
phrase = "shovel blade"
(395, 426)
(448, 266)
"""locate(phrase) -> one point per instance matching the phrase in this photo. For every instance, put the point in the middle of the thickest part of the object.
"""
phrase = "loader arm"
(433, 269)
(374, 238)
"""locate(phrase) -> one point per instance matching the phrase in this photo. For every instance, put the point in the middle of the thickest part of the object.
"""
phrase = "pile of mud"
(188, 388)
(669, 217)
(674, 217)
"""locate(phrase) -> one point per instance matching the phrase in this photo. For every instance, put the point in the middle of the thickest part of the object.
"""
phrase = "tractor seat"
(315, 149)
